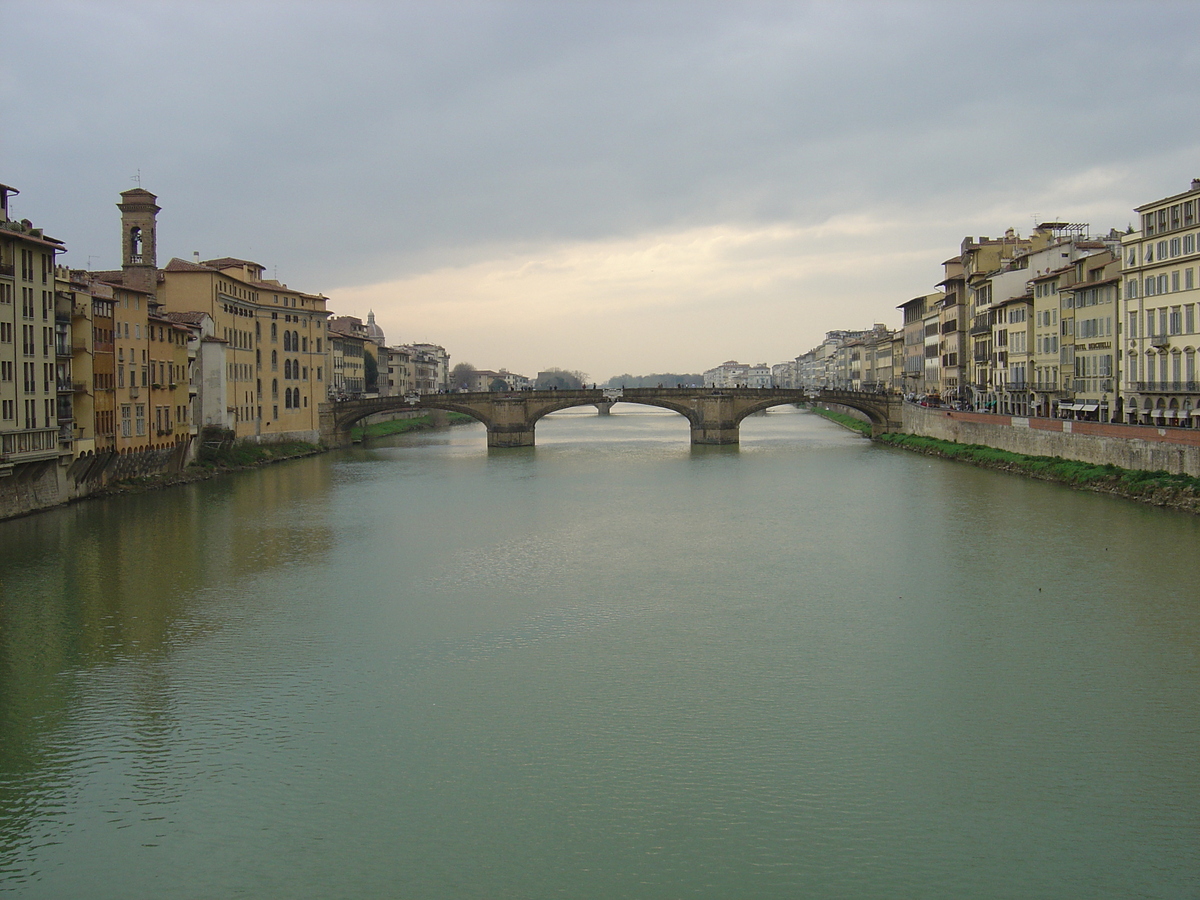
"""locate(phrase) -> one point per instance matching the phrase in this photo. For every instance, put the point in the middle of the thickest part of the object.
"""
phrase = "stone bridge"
(714, 414)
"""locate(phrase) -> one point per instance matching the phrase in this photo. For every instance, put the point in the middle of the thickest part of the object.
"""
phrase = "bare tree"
(462, 377)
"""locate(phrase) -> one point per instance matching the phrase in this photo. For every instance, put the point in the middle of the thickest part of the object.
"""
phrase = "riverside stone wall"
(1147, 447)
(36, 486)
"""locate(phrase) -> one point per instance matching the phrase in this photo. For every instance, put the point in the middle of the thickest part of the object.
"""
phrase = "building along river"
(613, 665)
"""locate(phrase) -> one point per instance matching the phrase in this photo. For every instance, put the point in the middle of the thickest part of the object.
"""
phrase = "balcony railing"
(1158, 340)
(1167, 386)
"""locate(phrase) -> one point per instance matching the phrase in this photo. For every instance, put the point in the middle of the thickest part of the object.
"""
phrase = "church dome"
(374, 332)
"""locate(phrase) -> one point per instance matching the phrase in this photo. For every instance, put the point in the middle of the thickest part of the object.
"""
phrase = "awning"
(1066, 407)
(1158, 413)
(1196, 412)
(1088, 407)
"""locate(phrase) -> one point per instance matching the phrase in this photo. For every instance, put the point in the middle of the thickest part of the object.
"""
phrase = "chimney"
(1196, 184)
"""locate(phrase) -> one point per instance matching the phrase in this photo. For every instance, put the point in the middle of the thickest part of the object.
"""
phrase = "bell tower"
(139, 261)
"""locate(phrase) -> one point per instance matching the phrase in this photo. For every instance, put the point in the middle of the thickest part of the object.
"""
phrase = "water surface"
(609, 666)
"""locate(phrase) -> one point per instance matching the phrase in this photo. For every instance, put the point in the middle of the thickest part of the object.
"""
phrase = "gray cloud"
(353, 143)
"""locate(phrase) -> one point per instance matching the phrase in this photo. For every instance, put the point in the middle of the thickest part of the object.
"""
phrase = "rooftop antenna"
(89, 263)
(137, 177)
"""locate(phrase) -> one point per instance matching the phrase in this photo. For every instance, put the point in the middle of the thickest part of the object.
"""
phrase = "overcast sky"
(604, 186)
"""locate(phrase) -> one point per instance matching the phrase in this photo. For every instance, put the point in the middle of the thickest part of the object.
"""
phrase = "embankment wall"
(41, 485)
(1147, 447)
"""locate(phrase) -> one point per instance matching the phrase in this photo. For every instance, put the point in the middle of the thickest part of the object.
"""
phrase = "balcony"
(1167, 387)
(31, 445)
(79, 387)
(1158, 340)
(65, 386)
(9, 270)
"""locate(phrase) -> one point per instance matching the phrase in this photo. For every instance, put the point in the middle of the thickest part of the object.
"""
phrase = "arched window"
(287, 342)
(274, 361)
(295, 342)
(274, 388)
(287, 369)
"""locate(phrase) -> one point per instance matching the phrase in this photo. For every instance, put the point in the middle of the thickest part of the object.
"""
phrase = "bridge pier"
(509, 436)
(715, 421)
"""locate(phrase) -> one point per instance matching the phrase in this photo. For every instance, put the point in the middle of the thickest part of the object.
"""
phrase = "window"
(1175, 242)
(126, 420)
(141, 418)
(1189, 243)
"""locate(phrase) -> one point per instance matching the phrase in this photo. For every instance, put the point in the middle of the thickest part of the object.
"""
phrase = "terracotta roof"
(186, 318)
(182, 265)
(230, 262)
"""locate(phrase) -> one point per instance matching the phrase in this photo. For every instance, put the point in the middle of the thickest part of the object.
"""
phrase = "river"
(609, 666)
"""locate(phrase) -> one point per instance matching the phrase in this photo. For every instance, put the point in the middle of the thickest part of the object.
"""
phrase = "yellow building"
(349, 337)
(29, 356)
(1091, 299)
(1160, 295)
(150, 392)
(276, 356)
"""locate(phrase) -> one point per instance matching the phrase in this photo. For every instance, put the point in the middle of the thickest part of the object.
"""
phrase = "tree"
(560, 379)
(462, 377)
(498, 384)
(370, 373)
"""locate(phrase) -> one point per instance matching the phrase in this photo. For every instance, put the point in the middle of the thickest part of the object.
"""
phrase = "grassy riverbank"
(842, 419)
(402, 426)
(1158, 488)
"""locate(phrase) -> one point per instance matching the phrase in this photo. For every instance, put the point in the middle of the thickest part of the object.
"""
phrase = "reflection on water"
(609, 665)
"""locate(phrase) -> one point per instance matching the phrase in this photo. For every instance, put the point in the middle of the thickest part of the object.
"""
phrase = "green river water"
(611, 666)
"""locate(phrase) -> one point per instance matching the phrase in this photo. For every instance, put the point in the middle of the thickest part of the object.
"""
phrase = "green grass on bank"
(1135, 483)
(401, 426)
(231, 454)
(842, 419)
